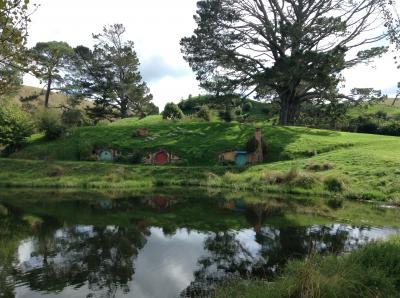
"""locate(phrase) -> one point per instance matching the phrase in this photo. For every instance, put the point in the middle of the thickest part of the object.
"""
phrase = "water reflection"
(154, 246)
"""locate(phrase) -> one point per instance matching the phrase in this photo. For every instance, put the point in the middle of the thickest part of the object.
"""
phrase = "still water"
(155, 245)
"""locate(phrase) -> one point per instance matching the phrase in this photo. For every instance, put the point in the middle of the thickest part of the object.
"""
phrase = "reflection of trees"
(101, 257)
(225, 256)
(11, 233)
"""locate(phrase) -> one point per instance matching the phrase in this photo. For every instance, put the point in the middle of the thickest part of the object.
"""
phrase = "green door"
(106, 155)
(241, 159)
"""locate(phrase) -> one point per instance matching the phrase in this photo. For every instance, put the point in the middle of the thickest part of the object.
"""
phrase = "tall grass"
(372, 271)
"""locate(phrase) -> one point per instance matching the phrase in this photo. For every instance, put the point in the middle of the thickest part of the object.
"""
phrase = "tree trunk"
(289, 109)
(47, 96)
(123, 111)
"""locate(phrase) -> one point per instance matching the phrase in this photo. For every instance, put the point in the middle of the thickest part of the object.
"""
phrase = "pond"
(160, 245)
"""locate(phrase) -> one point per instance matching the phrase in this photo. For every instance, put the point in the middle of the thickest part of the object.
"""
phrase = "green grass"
(372, 271)
(365, 166)
(385, 106)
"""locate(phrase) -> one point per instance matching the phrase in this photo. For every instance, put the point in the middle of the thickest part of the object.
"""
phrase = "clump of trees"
(172, 112)
(290, 52)
(109, 75)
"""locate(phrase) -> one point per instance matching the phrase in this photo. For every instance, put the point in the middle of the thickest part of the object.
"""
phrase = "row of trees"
(107, 74)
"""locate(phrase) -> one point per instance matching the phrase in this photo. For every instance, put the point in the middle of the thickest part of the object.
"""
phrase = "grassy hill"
(198, 143)
(299, 160)
(385, 106)
(57, 99)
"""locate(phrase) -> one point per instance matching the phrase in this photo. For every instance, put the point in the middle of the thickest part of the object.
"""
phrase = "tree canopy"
(288, 51)
(109, 74)
(49, 62)
(14, 18)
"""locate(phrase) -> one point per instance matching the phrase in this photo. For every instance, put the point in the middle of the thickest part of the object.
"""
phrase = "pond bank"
(283, 178)
(372, 271)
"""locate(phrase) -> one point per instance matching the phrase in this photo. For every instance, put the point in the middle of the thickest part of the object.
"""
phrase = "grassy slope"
(56, 99)
(369, 164)
(385, 106)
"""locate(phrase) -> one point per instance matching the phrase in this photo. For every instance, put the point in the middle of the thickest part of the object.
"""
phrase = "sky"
(156, 27)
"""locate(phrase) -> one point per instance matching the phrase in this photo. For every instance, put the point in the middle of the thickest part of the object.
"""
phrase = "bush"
(334, 184)
(252, 144)
(247, 107)
(204, 113)
(227, 116)
(172, 112)
(312, 166)
(49, 122)
(86, 151)
(390, 129)
(133, 158)
(74, 117)
(15, 126)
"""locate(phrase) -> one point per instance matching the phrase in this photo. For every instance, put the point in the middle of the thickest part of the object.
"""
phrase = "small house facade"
(161, 157)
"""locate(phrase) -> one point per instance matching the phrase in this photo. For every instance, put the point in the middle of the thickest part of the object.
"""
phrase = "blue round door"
(241, 159)
(106, 155)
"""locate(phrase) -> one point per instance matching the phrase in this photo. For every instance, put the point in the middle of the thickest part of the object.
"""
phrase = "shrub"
(133, 158)
(304, 180)
(390, 129)
(334, 184)
(204, 113)
(54, 171)
(312, 166)
(15, 126)
(74, 117)
(335, 202)
(252, 144)
(172, 112)
(227, 116)
(86, 151)
(247, 107)
(49, 121)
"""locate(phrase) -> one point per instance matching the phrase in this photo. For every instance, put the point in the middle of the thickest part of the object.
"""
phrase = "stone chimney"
(259, 156)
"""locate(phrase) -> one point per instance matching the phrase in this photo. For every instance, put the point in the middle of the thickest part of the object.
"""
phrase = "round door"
(161, 158)
(106, 155)
(241, 160)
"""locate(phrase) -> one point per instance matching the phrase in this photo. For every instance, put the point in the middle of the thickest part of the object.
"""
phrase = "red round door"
(161, 158)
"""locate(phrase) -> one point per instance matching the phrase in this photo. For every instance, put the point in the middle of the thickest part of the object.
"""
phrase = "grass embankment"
(372, 271)
(299, 160)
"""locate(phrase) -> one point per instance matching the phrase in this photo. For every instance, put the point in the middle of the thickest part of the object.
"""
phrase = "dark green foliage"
(317, 167)
(277, 53)
(72, 117)
(334, 184)
(86, 151)
(247, 107)
(15, 126)
(172, 112)
(14, 19)
(49, 63)
(204, 113)
(49, 122)
(335, 202)
(252, 145)
(109, 74)
(131, 158)
(227, 116)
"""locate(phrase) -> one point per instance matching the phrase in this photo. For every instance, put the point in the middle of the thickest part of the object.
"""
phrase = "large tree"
(284, 50)
(49, 63)
(109, 74)
(14, 18)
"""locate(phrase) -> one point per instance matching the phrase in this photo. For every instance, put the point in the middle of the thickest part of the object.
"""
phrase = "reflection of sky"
(165, 265)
